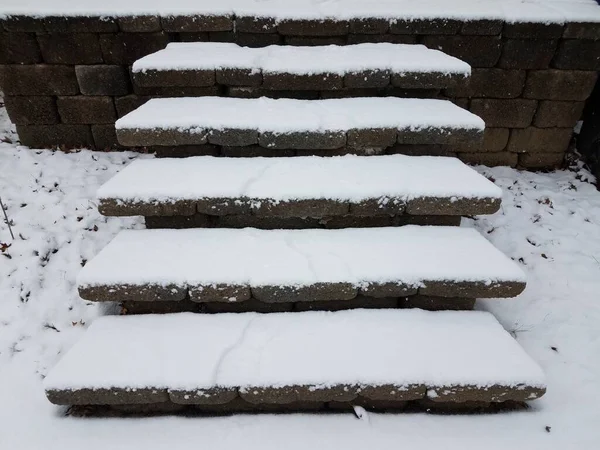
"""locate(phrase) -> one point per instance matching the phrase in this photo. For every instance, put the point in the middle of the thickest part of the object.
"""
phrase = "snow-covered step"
(298, 124)
(357, 356)
(283, 266)
(275, 67)
(301, 187)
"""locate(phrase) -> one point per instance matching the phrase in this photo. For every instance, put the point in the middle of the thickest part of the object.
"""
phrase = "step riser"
(295, 223)
(186, 305)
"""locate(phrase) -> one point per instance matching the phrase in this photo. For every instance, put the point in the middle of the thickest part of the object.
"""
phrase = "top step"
(300, 68)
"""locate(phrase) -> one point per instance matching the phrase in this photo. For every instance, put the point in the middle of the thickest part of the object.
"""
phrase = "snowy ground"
(548, 222)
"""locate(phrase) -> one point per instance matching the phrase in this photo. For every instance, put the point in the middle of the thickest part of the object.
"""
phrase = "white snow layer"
(338, 59)
(363, 347)
(194, 114)
(409, 254)
(544, 11)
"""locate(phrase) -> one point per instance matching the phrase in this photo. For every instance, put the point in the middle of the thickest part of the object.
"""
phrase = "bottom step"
(232, 362)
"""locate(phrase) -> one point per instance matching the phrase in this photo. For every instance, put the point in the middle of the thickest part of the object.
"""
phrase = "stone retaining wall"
(66, 80)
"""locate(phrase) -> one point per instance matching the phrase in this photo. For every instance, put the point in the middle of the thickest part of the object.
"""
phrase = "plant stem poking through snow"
(6, 219)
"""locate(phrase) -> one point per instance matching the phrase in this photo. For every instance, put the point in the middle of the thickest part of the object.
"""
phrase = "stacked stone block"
(66, 80)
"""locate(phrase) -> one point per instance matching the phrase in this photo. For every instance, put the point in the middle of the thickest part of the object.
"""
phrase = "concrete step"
(290, 266)
(299, 192)
(289, 68)
(363, 124)
(232, 362)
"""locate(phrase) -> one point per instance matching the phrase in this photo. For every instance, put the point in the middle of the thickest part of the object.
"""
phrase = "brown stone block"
(541, 160)
(369, 26)
(238, 77)
(389, 206)
(532, 30)
(559, 84)
(494, 140)
(428, 80)
(86, 109)
(126, 48)
(219, 293)
(391, 392)
(179, 222)
(478, 51)
(39, 79)
(351, 221)
(250, 24)
(486, 27)
(452, 206)
(66, 48)
(471, 289)
(442, 136)
(558, 114)
(300, 27)
(289, 81)
(258, 40)
(582, 30)
(65, 136)
(26, 110)
(437, 303)
(103, 80)
(105, 137)
(80, 24)
(578, 54)
(314, 292)
(19, 48)
(371, 138)
(128, 103)
(203, 396)
(424, 26)
(233, 137)
(111, 396)
(387, 289)
(165, 137)
(490, 159)
(182, 78)
(223, 206)
(367, 79)
(527, 53)
(539, 140)
(260, 395)
(340, 393)
(137, 293)
(303, 140)
(202, 23)
(495, 393)
(298, 208)
(139, 24)
(495, 83)
(112, 207)
(514, 113)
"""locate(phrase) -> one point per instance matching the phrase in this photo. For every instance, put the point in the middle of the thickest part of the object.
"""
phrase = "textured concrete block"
(478, 51)
(103, 80)
(219, 293)
(494, 140)
(464, 394)
(558, 114)
(372, 138)
(223, 206)
(177, 91)
(541, 160)
(490, 160)
(126, 48)
(386, 290)
(112, 207)
(21, 23)
(178, 222)
(369, 26)
(212, 396)
(527, 53)
(258, 40)
(233, 137)
(367, 79)
(288, 81)
(238, 77)
(315, 292)
(582, 30)
(170, 78)
(299, 27)
(539, 140)
(425, 26)
(428, 80)
(46, 136)
(105, 137)
(26, 110)
(128, 103)
(139, 24)
(202, 23)
(303, 140)
(86, 109)
(452, 206)
(472, 289)
(495, 83)
(70, 48)
(19, 48)
(108, 396)
(391, 392)
(443, 136)
(250, 24)
(514, 113)
(486, 27)
(578, 54)
(80, 24)
(559, 85)
(138, 293)
(166, 137)
(299, 208)
(532, 30)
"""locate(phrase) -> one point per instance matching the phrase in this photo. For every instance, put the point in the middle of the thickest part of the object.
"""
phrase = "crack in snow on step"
(230, 349)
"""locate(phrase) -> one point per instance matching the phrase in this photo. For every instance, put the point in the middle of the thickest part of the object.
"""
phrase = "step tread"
(197, 120)
(325, 263)
(393, 59)
(428, 354)
(157, 185)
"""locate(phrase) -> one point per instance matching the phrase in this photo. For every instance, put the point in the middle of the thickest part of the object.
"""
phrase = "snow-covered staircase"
(340, 219)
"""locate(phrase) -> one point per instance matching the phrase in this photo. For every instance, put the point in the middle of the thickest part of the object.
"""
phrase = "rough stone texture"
(504, 158)
(527, 53)
(315, 292)
(179, 222)
(541, 160)
(223, 206)
(19, 48)
(26, 110)
(514, 113)
(316, 208)
(303, 140)
(113, 396)
(369, 26)
(250, 24)
(65, 48)
(582, 30)
(258, 39)
(39, 79)
(212, 396)
(197, 23)
(288, 81)
(482, 27)
(128, 103)
(471, 289)
(89, 24)
(452, 206)
(233, 137)
(60, 135)
(578, 54)
(461, 394)
(437, 303)
(177, 91)
(532, 30)
(86, 109)
(126, 48)
(559, 84)
(478, 51)
(219, 293)
(105, 137)
(256, 92)
(442, 136)
(390, 392)
(139, 24)
(391, 289)
(378, 206)
(184, 78)
(171, 137)
(558, 114)
(371, 138)
(139, 293)
(428, 80)
(425, 26)
(110, 207)
(367, 79)
(239, 77)
(495, 139)
(23, 23)
(495, 83)
(539, 140)
(312, 27)
(374, 38)
(103, 80)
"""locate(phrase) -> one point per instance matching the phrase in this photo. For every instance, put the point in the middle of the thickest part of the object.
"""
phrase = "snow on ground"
(548, 223)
